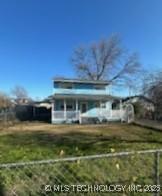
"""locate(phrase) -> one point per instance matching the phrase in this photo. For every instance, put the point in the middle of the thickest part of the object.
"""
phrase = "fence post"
(5, 117)
(157, 174)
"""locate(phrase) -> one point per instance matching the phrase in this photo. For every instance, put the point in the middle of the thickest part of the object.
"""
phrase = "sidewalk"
(157, 125)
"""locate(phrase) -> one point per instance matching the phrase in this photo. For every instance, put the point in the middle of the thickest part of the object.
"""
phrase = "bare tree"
(152, 88)
(5, 101)
(19, 92)
(105, 59)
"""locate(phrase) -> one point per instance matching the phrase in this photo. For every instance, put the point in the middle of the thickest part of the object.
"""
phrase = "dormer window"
(66, 85)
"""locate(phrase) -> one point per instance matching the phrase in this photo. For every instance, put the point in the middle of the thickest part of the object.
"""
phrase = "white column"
(100, 111)
(52, 110)
(76, 108)
(110, 106)
(65, 109)
(121, 110)
(76, 105)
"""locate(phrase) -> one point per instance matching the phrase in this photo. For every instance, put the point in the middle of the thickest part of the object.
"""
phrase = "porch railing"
(100, 113)
(73, 115)
(81, 91)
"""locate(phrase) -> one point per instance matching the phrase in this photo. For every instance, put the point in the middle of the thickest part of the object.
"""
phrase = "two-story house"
(76, 100)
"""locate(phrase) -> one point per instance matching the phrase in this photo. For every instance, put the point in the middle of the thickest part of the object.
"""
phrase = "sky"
(37, 37)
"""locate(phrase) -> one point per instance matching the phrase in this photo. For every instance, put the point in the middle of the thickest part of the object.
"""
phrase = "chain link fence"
(107, 174)
(7, 117)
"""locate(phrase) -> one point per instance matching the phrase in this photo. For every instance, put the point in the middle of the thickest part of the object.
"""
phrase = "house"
(83, 101)
(144, 101)
(144, 107)
(22, 101)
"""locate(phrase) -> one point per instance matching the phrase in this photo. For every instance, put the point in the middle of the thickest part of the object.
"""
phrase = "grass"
(37, 141)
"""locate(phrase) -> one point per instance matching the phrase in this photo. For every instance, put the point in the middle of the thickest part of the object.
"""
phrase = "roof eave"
(80, 81)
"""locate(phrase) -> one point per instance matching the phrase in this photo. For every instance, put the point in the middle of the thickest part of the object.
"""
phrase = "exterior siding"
(81, 89)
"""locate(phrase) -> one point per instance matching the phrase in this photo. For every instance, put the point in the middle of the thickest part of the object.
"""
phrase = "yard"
(37, 141)
(40, 141)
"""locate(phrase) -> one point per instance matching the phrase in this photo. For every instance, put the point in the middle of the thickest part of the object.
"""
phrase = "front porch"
(69, 111)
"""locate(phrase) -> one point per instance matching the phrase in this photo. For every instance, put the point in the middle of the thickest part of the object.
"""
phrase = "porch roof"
(86, 97)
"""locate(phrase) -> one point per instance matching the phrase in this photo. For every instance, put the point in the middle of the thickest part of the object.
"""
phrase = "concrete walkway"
(157, 125)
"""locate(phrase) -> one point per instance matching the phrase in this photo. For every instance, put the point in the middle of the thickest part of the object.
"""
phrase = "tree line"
(17, 93)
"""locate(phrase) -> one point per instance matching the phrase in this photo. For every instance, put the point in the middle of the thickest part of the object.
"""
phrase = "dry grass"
(33, 141)
(37, 141)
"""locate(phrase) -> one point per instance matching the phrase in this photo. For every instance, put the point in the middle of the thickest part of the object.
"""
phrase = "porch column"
(100, 111)
(121, 110)
(52, 110)
(65, 109)
(110, 106)
(76, 105)
(76, 109)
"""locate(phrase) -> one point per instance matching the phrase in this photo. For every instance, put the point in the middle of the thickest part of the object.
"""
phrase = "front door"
(83, 107)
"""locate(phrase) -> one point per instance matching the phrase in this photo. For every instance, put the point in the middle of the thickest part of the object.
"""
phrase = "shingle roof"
(141, 97)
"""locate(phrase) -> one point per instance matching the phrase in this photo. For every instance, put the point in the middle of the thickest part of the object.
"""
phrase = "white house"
(76, 100)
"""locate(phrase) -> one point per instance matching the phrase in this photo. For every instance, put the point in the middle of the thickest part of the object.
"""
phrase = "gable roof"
(74, 80)
(139, 97)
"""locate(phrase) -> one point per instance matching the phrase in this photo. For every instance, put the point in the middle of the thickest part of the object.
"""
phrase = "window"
(62, 107)
(116, 106)
(99, 87)
(69, 107)
(66, 85)
(83, 107)
(97, 104)
(103, 104)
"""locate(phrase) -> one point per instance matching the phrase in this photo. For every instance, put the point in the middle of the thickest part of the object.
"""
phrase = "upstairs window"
(99, 87)
(66, 85)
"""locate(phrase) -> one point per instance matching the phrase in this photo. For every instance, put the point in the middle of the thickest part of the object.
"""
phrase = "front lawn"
(37, 141)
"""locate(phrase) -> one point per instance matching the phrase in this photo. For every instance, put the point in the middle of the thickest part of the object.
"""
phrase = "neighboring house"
(22, 101)
(144, 107)
(83, 101)
(144, 101)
